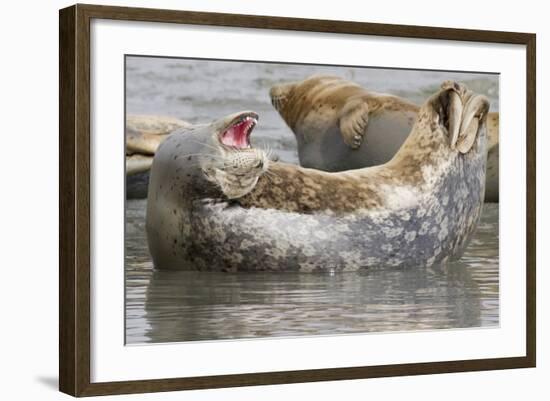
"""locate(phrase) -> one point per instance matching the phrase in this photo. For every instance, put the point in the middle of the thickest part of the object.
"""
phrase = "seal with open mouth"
(196, 164)
(420, 208)
(340, 126)
(144, 134)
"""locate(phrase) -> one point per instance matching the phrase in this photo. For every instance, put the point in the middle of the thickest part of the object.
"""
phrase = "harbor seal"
(340, 126)
(420, 208)
(194, 164)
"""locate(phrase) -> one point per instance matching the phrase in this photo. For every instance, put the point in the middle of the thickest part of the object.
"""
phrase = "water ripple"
(166, 306)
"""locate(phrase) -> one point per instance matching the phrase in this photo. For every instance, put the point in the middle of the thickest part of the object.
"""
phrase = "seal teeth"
(237, 134)
(251, 122)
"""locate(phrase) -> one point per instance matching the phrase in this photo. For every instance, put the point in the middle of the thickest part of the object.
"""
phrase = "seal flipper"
(475, 112)
(137, 163)
(353, 122)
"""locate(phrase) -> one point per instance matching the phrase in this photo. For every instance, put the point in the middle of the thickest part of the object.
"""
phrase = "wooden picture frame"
(74, 203)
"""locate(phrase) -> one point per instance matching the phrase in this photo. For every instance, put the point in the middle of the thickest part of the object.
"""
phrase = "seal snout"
(279, 94)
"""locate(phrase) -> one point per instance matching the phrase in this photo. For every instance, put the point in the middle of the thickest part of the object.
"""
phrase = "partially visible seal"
(491, 188)
(341, 126)
(144, 134)
(420, 208)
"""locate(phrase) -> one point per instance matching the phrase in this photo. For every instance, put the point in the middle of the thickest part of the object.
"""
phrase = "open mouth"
(238, 134)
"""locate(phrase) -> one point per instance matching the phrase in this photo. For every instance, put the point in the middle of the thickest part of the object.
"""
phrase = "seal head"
(198, 163)
(231, 162)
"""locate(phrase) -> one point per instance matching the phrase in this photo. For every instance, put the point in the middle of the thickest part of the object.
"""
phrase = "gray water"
(201, 90)
(167, 306)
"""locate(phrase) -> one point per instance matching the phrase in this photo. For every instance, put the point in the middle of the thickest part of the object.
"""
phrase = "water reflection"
(167, 306)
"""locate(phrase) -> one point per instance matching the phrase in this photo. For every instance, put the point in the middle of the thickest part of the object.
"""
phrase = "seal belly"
(386, 132)
(230, 238)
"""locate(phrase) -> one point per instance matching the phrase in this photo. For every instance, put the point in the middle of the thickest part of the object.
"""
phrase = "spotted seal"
(340, 126)
(420, 208)
(195, 164)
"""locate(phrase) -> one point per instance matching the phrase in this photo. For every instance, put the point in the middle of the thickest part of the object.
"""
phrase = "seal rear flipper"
(475, 114)
(353, 122)
(464, 112)
(137, 163)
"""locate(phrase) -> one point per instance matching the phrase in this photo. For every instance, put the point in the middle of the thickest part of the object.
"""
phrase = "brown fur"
(297, 189)
(331, 94)
(322, 108)
(493, 122)
(337, 100)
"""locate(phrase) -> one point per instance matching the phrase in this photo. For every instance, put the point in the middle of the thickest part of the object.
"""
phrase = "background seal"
(341, 126)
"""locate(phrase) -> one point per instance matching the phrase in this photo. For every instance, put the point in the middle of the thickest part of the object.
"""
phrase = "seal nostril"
(260, 164)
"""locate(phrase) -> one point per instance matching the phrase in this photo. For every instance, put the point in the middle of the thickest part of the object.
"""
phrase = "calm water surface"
(166, 306)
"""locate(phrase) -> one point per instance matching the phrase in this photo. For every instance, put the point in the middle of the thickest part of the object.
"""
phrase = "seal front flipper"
(353, 122)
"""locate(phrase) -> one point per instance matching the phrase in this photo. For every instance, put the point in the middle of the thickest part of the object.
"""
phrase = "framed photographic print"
(250, 200)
